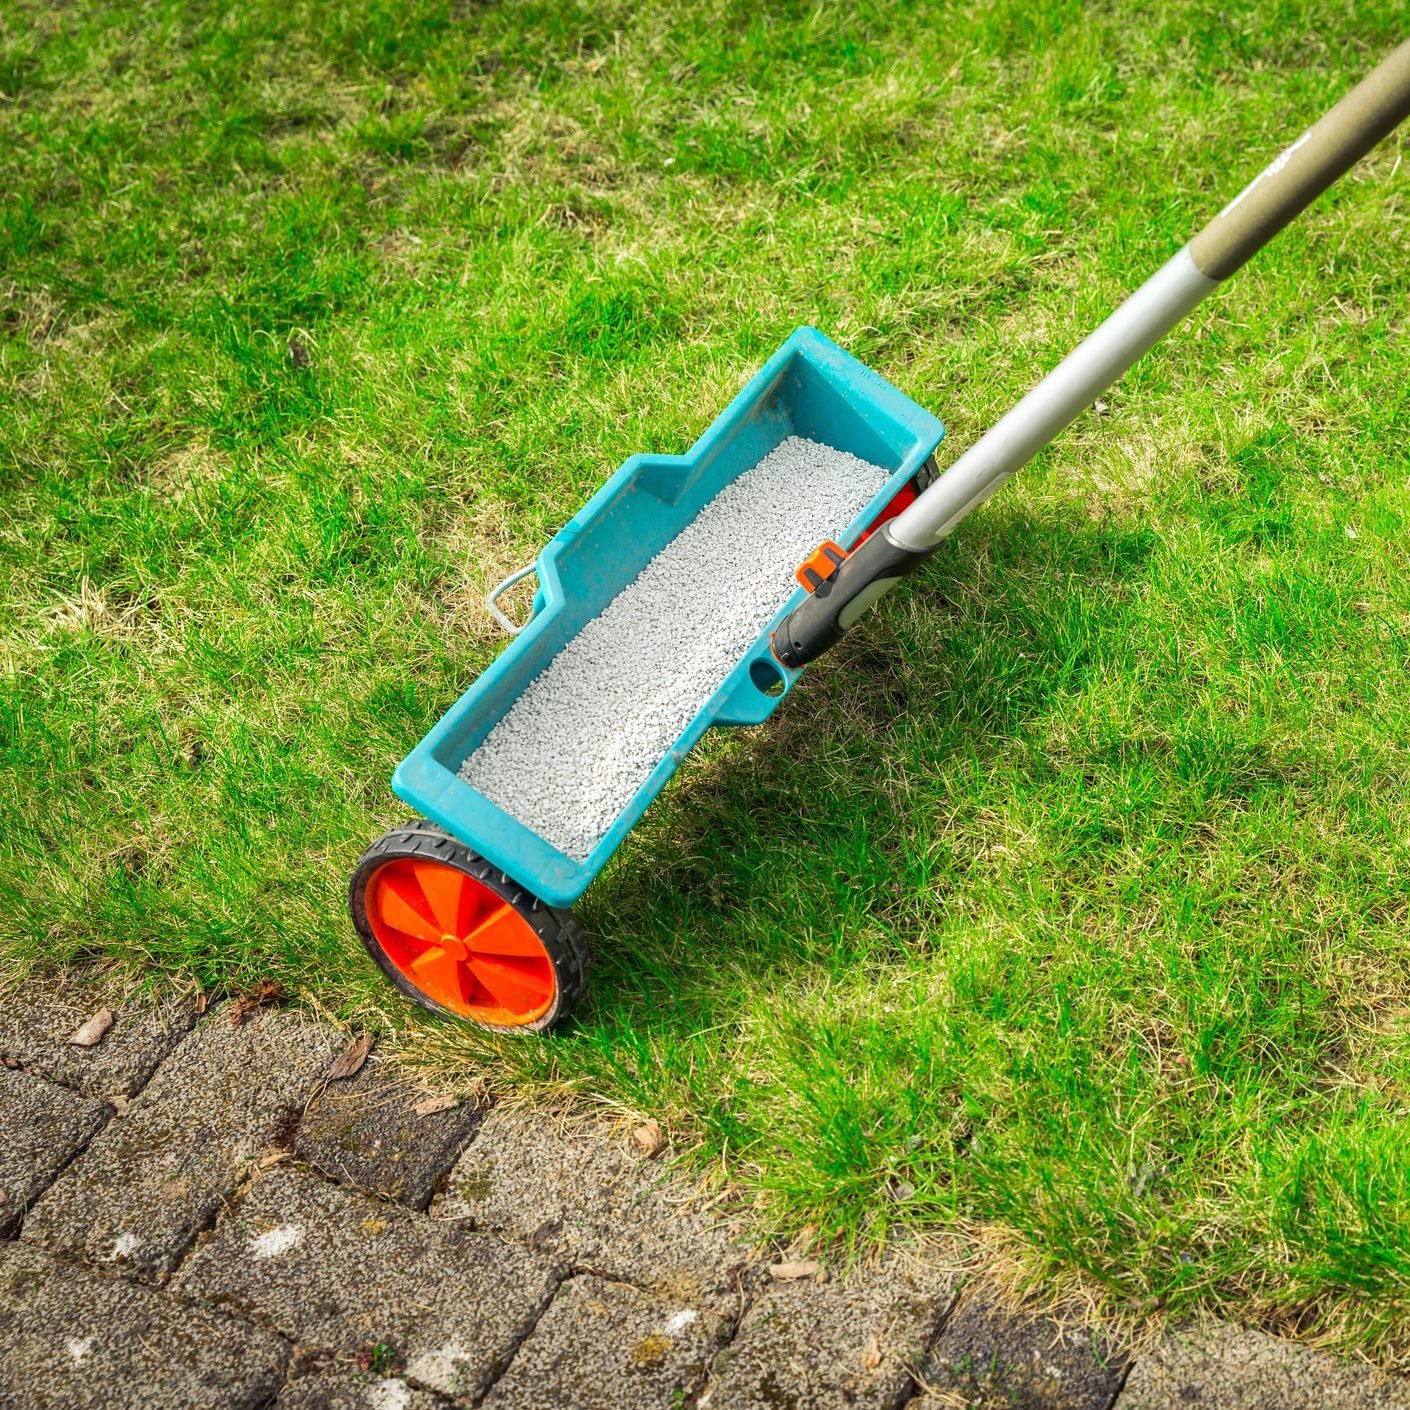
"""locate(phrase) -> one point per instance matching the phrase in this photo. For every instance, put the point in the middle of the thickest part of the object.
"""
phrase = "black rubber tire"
(560, 931)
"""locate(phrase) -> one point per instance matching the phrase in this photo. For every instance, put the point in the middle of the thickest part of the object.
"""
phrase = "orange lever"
(820, 565)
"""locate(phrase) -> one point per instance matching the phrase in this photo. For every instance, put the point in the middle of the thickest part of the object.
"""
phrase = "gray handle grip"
(1326, 150)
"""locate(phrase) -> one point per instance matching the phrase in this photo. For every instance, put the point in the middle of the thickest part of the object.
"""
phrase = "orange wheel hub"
(460, 942)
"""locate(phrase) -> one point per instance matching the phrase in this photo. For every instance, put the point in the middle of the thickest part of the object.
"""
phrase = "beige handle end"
(1371, 110)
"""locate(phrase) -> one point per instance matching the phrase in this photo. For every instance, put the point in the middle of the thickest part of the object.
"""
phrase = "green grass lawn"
(1066, 901)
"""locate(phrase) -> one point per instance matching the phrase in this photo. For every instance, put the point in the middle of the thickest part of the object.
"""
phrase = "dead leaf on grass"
(90, 1031)
(350, 1060)
(431, 1105)
(266, 992)
(201, 1002)
(790, 1272)
(648, 1138)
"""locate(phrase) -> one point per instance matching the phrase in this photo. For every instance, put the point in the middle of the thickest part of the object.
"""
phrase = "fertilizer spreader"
(688, 592)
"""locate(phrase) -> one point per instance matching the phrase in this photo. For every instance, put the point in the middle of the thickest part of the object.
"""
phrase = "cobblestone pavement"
(195, 1213)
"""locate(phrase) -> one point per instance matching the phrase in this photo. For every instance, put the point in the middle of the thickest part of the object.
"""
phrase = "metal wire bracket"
(498, 591)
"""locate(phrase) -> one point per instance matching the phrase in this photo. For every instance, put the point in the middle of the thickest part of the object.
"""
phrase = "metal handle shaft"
(1083, 375)
(1367, 114)
(1370, 111)
(1324, 152)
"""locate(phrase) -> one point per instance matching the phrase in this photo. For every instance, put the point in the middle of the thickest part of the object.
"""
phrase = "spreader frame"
(809, 387)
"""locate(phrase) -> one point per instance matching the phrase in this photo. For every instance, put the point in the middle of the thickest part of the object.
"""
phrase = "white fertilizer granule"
(573, 749)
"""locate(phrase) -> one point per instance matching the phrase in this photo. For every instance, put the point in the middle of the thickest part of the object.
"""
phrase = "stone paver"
(350, 1389)
(364, 1131)
(1230, 1368)
(344, 1272)
(41, 1127)
(75, 1339)
(35, 1025)
(985, 1356)
(574, 1189)
(808, 1347)
(557, 1265)
(158, 1172)
(609, 1346)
